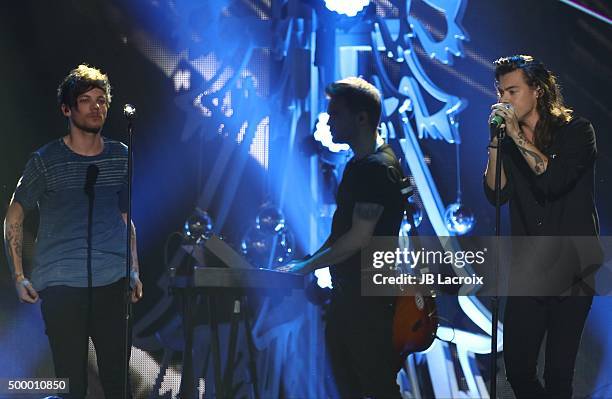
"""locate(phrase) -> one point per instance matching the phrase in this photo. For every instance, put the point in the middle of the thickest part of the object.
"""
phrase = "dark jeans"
(359, 343)
(525, 322)
(68, 327)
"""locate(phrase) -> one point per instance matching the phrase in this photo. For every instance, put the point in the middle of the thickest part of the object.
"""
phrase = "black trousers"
(359, 343)
(526, 321)
(68, 327)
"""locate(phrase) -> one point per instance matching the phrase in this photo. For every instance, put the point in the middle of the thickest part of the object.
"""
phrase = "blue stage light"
(323, 135)
(346, 7)
(323, 277)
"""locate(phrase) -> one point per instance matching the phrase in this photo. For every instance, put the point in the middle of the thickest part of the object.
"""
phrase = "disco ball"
(270, 219)
(258, 246)
(459, 218)
(417, 215)
(198, 227)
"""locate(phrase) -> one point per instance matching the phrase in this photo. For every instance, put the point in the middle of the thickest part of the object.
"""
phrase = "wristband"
(134, 274)
(492, 146)
(25, 283)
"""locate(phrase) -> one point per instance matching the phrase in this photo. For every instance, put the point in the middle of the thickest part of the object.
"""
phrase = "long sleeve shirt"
(561, 200)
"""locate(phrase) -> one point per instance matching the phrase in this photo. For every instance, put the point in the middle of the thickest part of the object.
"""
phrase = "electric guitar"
(415, 321)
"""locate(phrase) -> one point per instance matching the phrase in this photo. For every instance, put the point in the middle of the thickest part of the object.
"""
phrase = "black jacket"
(558, 204)
(561, 200)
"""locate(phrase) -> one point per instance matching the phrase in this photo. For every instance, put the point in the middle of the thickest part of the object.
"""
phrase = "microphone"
(90, 179)
(496, 131)
(496, 121)
(494, 128)
(129, 111)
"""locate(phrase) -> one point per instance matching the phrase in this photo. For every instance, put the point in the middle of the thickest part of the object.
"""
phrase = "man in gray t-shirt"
(79, 185)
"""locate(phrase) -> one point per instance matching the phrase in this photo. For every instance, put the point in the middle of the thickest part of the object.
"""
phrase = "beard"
(87, 127)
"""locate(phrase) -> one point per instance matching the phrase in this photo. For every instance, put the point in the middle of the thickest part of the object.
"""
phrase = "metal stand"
(130, 114)
(500, 133)
(223, 379)
(187, 387)
(90, 191)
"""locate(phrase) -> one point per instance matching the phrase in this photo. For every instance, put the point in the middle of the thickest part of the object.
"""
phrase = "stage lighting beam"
(349, 8)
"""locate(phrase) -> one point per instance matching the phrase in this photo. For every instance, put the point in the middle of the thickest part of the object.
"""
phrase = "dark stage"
(231, 140)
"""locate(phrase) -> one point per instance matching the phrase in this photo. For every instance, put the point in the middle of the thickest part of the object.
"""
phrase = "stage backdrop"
(229, 93)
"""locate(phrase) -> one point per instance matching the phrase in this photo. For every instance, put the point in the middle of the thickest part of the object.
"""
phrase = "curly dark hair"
(550, 106)
(80, 80)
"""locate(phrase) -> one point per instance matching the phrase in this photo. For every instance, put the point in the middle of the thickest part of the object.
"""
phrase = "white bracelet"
(25, 283)
(134, 275)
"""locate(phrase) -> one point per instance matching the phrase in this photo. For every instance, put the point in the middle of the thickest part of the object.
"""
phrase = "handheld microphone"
(495, 124)
(496, 121)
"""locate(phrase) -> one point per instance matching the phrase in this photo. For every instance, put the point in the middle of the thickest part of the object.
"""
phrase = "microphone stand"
(130, 114)
(90, 191)
(500, 134)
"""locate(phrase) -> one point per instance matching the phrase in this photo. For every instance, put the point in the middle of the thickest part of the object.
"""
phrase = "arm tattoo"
(539, 165)
(368, 211)
(14, 242)
(133, 247)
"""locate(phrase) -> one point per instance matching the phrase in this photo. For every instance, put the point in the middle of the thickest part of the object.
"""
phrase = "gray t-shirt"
(54, 179)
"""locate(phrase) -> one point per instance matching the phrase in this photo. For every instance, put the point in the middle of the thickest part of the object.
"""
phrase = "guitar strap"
(396, 174)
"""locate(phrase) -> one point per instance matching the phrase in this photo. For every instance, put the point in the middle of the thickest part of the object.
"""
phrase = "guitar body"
(415, 323)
